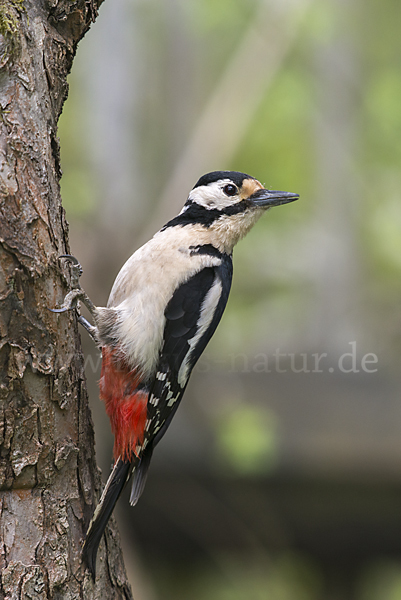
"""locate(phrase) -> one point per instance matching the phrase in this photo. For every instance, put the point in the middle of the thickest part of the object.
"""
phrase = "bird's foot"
(77, 294)
(76, 270)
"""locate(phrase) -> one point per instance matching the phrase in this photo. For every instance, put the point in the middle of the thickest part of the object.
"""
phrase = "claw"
(71, 258)
(76, 269)
(70, 301)
(76, 293)
(90, 329)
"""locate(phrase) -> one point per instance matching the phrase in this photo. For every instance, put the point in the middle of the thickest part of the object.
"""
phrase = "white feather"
(212, 195)
(143, 289)
(207, 312)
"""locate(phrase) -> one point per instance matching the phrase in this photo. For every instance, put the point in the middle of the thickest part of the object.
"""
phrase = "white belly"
(143, 289)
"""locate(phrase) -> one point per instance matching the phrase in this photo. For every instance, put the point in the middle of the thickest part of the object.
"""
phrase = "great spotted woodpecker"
(164, 307)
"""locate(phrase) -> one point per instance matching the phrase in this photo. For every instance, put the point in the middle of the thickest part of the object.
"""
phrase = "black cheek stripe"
(195, 214)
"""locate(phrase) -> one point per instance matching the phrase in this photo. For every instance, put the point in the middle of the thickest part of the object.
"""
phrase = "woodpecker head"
(231, 192)
(228, 204)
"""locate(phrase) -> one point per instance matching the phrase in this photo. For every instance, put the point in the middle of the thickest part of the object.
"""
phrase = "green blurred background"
(280, 477)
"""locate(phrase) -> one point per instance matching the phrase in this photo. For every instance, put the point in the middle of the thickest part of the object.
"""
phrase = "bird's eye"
(230, 189)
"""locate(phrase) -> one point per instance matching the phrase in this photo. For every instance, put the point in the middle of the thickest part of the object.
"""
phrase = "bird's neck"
(226, 232)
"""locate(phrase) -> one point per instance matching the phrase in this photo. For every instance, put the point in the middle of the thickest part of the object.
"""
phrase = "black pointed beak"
(267, 198)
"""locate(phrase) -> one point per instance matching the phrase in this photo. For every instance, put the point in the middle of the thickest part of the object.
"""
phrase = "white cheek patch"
(212, 196)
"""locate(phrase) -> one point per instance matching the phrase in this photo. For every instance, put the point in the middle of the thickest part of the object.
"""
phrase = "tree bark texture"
(49, 480)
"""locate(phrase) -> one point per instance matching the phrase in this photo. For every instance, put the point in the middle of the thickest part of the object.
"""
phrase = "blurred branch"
(231, 107)
(336, 321)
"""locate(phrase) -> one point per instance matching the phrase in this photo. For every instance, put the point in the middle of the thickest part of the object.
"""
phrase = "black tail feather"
(114, 486)
(140, 475)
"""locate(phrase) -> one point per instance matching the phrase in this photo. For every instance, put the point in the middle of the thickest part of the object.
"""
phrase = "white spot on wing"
(172, 401)
(206, 315)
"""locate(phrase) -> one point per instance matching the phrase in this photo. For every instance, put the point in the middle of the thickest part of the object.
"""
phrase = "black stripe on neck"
(197, 214)
(208, 249)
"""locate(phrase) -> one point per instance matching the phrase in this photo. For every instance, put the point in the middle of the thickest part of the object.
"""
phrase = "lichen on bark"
(10, 11)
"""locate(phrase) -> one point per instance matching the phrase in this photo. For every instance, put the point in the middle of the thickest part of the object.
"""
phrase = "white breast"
(143, 289)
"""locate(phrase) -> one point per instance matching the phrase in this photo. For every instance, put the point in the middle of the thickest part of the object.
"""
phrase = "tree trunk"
(48, 475)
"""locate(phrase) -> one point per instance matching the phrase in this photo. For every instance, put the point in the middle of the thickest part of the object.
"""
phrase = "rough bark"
(49, 480)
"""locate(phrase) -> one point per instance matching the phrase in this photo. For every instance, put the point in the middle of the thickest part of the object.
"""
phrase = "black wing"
(192, 316)
(186, 335)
